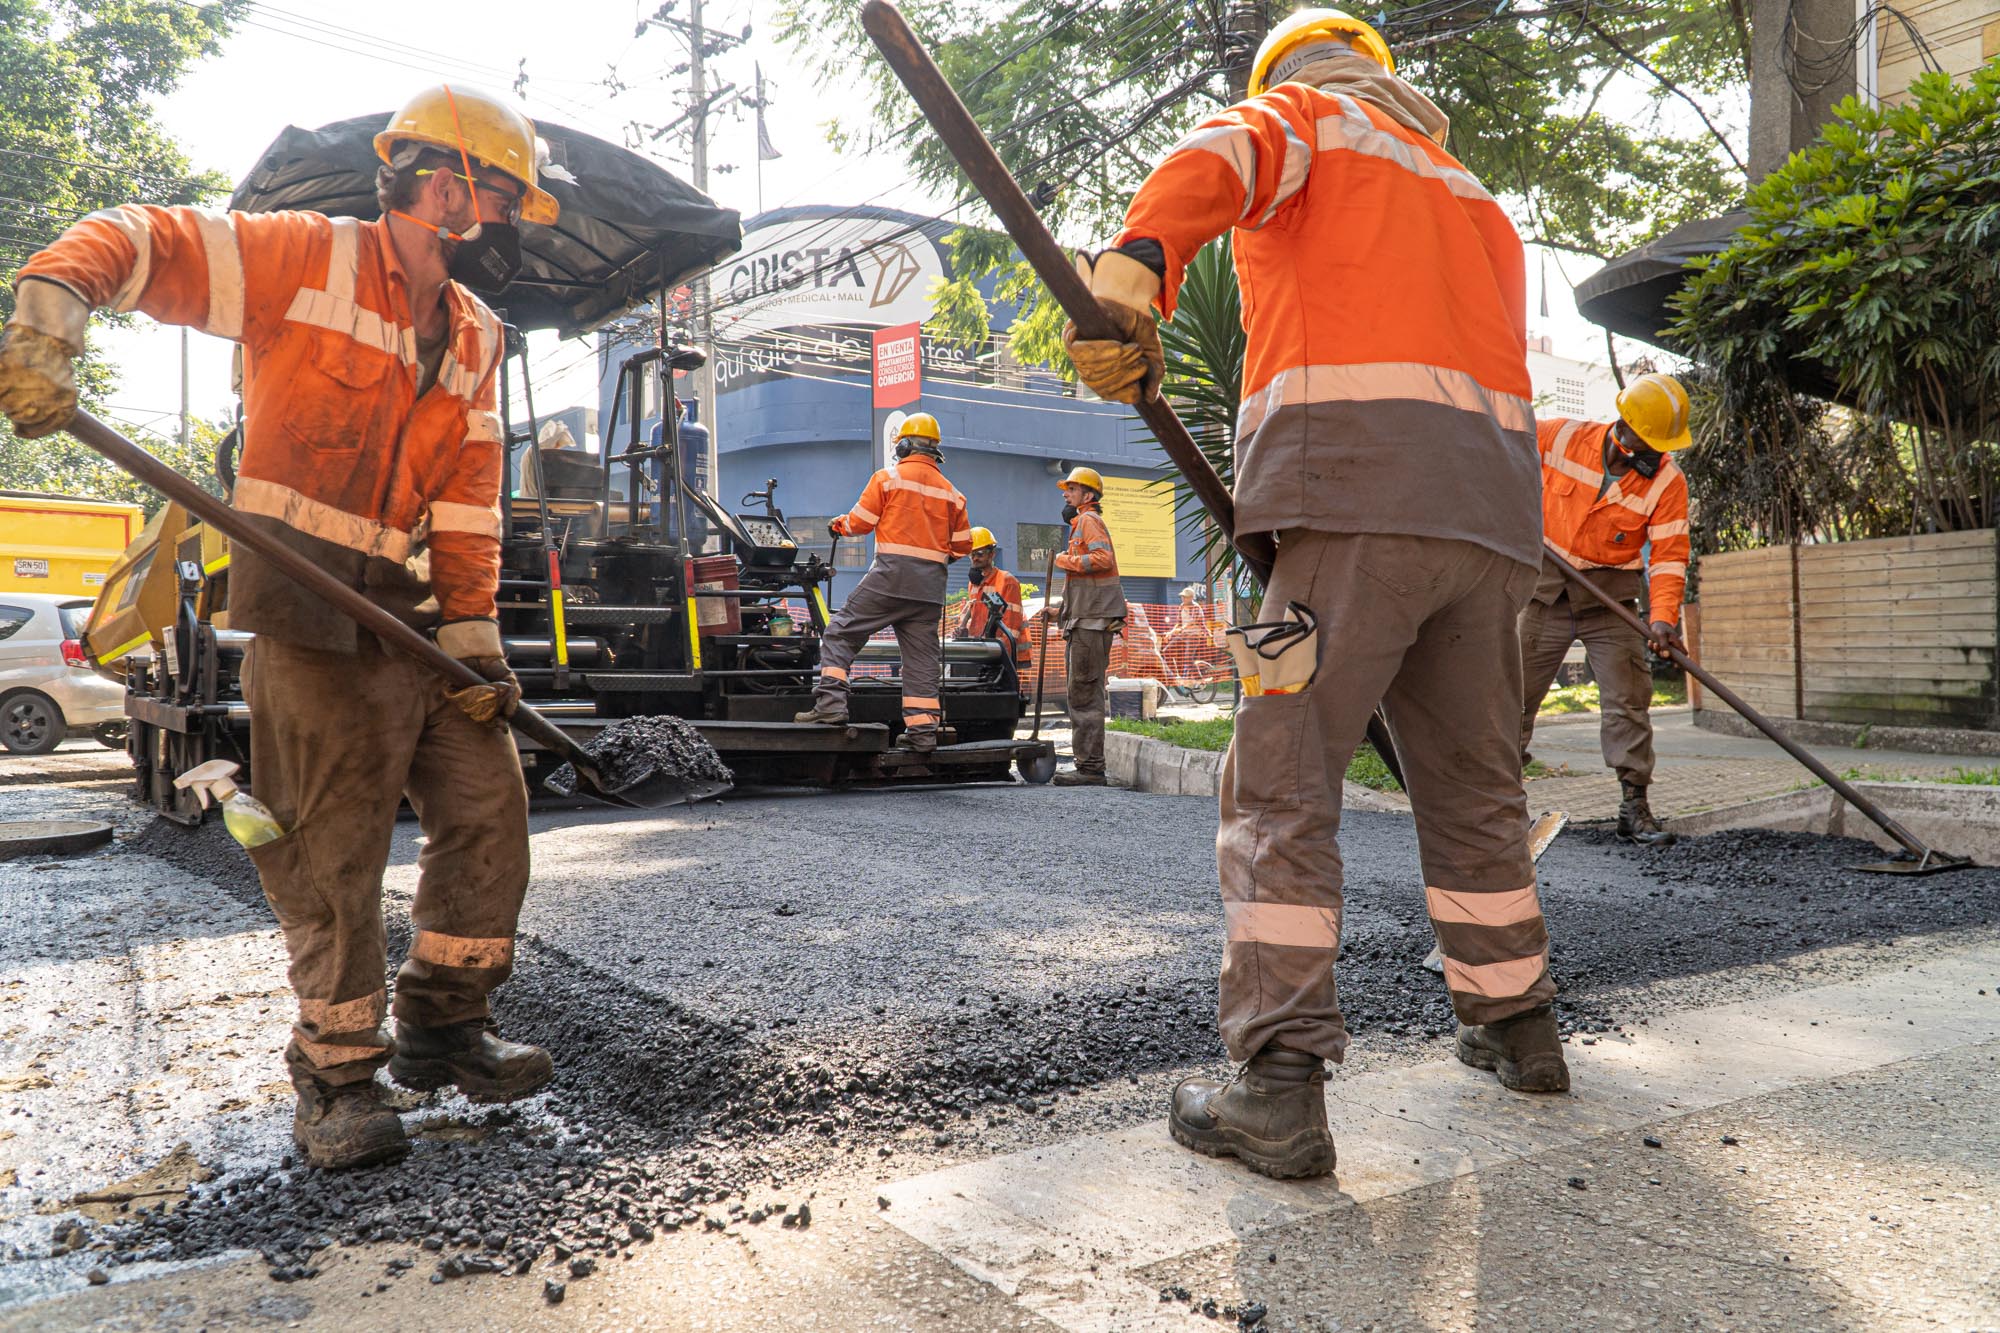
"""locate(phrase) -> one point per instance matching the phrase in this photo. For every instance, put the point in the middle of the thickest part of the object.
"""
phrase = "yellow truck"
(56, 544)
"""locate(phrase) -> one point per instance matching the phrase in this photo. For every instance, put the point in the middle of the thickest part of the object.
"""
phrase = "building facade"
(796, 311)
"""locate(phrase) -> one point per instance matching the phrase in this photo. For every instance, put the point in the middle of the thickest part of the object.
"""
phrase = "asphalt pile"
(666, 1117)
(653, 758)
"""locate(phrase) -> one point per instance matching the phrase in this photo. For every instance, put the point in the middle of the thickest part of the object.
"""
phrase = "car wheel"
(31, 723)
(111, 735)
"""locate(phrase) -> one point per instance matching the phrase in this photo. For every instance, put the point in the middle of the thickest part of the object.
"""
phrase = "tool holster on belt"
(1277, 656)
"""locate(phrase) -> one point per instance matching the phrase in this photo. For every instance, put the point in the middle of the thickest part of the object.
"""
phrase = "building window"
(1569, 397)
(812, 538)
(1035, 544)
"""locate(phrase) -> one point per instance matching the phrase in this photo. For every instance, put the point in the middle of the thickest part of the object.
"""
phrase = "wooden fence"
(1895, 632)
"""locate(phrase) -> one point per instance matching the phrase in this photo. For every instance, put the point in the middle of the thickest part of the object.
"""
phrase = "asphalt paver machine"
(626, 588)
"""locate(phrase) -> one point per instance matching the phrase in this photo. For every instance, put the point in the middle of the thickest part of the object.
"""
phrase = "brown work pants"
(337, 741)
(873, 607)
(1424, 625)
(1089, 657)
(1617, 659)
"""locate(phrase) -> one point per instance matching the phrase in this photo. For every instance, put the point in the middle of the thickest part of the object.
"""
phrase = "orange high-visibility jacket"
(395, 494)
(972, 616)
(1091, 590)
(919, 523)
(1612, 532)
(1385, 381)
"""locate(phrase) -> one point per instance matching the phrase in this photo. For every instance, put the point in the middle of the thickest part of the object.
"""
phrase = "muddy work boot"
(1635, 819)
(1271, 1116)
(347, 1126)
(471, 1056)
(1076, 777)
(1524, 1051)
(825, 717)
(918, 742)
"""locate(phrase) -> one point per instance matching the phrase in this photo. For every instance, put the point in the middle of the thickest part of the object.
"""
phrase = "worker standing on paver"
(1615, 506)
(920, 526)
(371, 446)
(1093, 611)
(975, 619)
(1386, 439)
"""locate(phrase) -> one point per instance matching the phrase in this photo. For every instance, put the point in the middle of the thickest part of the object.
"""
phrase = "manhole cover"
(50, 837)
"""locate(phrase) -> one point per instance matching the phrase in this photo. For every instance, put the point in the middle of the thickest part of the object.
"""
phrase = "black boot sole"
(1296, 1158)
(431, 1075)
(389, 1150)
(1510, 1074)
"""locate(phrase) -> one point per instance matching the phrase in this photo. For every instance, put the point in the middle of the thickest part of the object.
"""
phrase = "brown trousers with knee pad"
(1425, 626)
(338, 739)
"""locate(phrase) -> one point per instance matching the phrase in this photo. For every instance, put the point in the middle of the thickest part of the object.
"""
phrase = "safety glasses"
(512, 199)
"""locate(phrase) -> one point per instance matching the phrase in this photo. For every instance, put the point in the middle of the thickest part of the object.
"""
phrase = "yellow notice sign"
(1140, 514)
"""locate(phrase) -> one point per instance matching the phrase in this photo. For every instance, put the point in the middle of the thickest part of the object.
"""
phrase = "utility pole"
(1243, 29)
(704, 310)
(187, 429)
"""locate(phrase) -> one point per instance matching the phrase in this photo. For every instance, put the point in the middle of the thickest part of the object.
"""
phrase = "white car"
(47, 690)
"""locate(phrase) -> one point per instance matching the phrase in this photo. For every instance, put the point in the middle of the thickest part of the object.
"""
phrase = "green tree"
(1595, 119)
(63, 465)
(78, 133)
(1870, 271)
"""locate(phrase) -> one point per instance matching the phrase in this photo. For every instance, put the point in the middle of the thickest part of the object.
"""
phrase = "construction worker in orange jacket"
(1385, 449)
(1615, 506)
(371, 445)
(975, 618)
(920, 527)
(1092, 614)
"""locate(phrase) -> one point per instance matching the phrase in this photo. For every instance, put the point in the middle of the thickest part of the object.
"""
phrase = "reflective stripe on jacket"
(972, 616)
(1385, 380)
(919, 522)
(1091, 590)
(1612, 532)
(399, 495)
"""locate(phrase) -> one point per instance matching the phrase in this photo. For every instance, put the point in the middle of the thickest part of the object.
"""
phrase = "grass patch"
(1567, 699)
(1212, 734)
(1365, 768)
(1958, 777)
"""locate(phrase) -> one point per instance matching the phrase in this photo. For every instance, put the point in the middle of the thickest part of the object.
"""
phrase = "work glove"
(491, 702)
(833, 528)
(1128, 369)
(37, 384)
(1662, 633)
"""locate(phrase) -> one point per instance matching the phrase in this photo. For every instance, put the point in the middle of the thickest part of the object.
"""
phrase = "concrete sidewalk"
(1820, 1160)
(1697, 770)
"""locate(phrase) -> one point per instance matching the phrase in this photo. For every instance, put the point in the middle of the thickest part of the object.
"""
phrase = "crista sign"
(831, 270)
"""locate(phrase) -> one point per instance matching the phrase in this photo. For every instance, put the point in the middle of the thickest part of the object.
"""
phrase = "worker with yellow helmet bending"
(1615, 506)
(1092, 613)
(988, 586)
(1386, 443)
(372, 447)
(920, 526)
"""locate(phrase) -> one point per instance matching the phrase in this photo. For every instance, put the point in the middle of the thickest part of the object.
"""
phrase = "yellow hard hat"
(1313, 26)
(919, 426)
(982, 538)
(482, 127)
(1084, 476)
(1655, 406)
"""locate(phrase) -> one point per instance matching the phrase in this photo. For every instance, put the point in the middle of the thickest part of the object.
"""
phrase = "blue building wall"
(1002, 448)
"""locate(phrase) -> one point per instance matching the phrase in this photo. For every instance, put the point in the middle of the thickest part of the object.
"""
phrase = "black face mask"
(1646, 462)
(489, 261)
(1069, 512)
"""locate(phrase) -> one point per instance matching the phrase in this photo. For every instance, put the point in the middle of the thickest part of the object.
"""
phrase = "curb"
(1145, 764)
(1917, 740)
(1964, 821)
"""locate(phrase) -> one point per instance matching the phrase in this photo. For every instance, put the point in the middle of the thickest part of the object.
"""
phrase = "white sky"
(308, 63)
